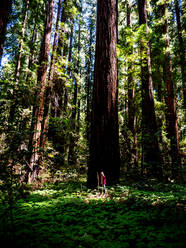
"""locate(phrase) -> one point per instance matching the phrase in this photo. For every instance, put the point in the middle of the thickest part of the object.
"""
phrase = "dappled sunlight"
(67, 214)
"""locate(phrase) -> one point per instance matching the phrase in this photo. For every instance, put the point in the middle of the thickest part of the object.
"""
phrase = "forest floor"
(67, 214)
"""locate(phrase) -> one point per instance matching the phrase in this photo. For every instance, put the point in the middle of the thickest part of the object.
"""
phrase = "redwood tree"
(151, 152)
(181, 51)
(18, 65)
(171, 115)
(104, 143)
(41, 85)
(48, 92)
(131, 99)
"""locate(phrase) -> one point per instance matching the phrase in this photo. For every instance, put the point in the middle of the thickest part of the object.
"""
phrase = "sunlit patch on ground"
(67, 214)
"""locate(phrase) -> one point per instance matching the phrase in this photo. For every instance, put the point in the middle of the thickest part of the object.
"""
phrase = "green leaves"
(67, 214)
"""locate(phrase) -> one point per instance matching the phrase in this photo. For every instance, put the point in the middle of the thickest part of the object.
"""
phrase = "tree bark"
(48, 93)
(152, 160)
(88, 107)
(104, 144)
(41, 85)
(13, 106)
(131, 101)
(5, 10)
(171, 115)
(181, 51)
(73, 138)
(18, 65)
(57, 107)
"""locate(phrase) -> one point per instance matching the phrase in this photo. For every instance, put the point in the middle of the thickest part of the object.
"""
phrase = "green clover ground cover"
(68, 215)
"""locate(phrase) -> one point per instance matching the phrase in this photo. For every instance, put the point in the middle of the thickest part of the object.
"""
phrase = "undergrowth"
(67, 214)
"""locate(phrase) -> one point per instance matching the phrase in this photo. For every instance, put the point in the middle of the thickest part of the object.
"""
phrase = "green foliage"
(67, 214)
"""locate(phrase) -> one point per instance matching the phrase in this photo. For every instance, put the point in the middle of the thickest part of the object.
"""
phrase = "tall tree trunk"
(5, 10)
(104, 144)
(152, 160)
(18, 65)
(171, 116)
(13, 106)
(41, 84)
(88, 114)
(31, 47)
(32, 52)
(58, 91)
(57, 106)
(48, 93)
(131, 101)
(181, 51)
(63, 45)
(73, 137)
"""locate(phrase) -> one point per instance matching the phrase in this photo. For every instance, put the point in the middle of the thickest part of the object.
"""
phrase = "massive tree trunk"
(5, 10)
(151, 152)
(171, 116)
(131, 101)
(104, 144)
(41, 84)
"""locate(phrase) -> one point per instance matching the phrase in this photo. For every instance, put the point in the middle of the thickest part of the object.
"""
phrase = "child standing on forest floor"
(101, 182)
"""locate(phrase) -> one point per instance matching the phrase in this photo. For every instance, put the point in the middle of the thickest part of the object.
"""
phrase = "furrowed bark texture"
(171, 115)
(151, 152)
(41, 83)
(104, 144)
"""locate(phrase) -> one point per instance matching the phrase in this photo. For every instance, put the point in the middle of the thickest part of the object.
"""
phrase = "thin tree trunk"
(151, 152)
(13, 106)
(31, 57)
(41, 83)
(76, 85)
(104, 144)
(181, 51)
(63, 45)
(171, 116)
(18, 65)
(57, 94)
(131, 102)
(50, 80)
(78, 112)
(73, 138)
(32, 48)
(88, 115)
(57, 106)
(5, 9)
(70, 49)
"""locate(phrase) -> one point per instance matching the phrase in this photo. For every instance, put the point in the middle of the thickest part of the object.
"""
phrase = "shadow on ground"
(68, 215)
